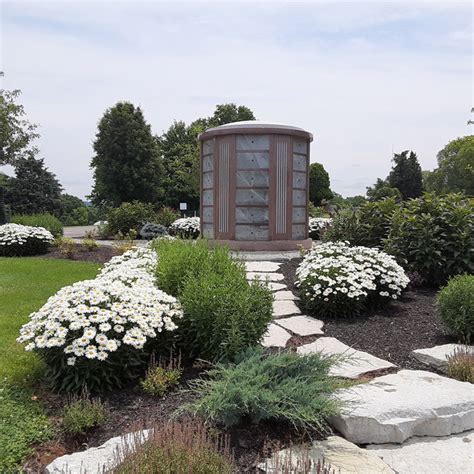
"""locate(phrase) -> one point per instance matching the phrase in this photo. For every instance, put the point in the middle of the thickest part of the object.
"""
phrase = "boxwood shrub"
(455, 304)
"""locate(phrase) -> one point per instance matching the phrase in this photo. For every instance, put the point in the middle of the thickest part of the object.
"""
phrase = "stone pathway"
(412, 421)
(437, 357)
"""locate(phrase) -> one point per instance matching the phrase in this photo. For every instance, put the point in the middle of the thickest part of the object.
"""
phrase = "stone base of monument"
(263, 245)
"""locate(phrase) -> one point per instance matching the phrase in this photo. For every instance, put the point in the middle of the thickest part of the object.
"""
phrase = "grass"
(25, 285)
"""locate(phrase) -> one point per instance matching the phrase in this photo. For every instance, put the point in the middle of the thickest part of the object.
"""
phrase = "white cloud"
(360, 77)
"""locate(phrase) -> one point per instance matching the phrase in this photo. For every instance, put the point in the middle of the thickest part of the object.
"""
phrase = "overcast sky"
(365, 78)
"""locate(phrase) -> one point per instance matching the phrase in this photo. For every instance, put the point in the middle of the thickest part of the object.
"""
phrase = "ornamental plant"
(186, 227)
(336, 279)
(130, 216)
(152, 231)
(20, 240)
(40, 219)
(434, 236)
(83, 414)
(455, 305)
(99, 334)
(318, 226)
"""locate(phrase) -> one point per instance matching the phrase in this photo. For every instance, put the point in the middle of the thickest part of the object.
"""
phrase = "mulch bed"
(130, 410)
(390, 333)
(101, 254)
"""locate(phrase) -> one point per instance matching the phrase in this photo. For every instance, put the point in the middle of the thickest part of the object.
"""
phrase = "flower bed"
(318, 225)
(18, 240)
(99, 333)
(338, 280)
(186, 227)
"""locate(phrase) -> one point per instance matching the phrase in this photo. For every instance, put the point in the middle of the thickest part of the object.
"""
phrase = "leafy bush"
(434, 235)
(166, 216)
(159, 380)
(318, 226)
(461, 364)
(338, 280)
(83, 414)
(455, 304)
(100, 333)
(45, 220)
(152, 231)
(179, 447)
(186, 227)
(223, 313)
(130, 216)
(22, 423)
(283, 386)
(20, 240)
(368, 225)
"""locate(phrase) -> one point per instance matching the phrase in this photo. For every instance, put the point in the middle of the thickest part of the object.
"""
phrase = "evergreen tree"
(34, 188)
(126, 164)
(406, 175)
(319, 184)
(179, 147)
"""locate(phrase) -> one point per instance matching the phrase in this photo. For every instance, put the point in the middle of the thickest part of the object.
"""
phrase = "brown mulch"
(390, 333)
(101, 254)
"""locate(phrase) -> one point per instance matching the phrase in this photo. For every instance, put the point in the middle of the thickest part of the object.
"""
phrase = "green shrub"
(461, 365)
(166, 216)
(90, 244)
(368, 225)
(48, 221)
(22, 423)
(83, 414)
(67, 246)
(223, 313)
(162, 376)
(130, 216)
(285, 386)
(179, 447)
(180, 258)
(434, 236)
(455, 303)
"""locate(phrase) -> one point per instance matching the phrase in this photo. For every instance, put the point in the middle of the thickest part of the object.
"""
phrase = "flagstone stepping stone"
(302, 325)
(395, 407)
(341, 455)
(262, 266)
(284, 308)
(265, 276)
(275, 336)
(276, 286)
(353, 363)
(285, 295)
(434, 455)
(437, 356)
(95, 460)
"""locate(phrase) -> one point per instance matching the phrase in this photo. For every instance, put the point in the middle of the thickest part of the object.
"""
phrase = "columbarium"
(254, 186)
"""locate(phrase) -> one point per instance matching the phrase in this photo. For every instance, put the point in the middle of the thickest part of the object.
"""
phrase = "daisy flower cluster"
(94, 319)
(336, 279)
(318, 225)
(186, 227)
(17, 240)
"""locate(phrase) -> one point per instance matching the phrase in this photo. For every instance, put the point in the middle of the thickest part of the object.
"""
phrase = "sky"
(366, 78)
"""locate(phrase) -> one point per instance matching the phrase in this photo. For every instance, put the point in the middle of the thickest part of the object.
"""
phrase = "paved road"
(78, 231)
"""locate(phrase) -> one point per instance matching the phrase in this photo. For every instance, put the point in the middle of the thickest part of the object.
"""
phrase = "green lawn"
(25, 285)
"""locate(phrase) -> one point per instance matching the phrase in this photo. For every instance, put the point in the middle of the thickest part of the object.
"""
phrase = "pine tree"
(126, 164)
(406, 175)
(34, 188)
